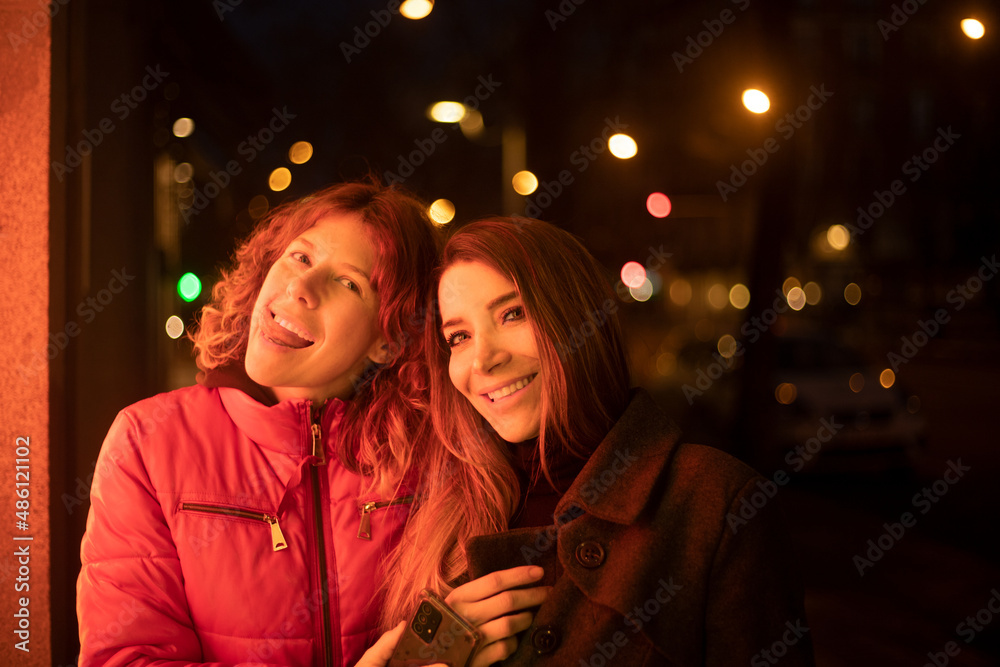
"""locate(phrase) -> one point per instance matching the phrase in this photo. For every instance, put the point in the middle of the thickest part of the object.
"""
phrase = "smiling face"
(315, 323)
(494, 357)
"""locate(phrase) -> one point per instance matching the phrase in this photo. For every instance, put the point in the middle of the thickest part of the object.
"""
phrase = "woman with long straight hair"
(546, 456)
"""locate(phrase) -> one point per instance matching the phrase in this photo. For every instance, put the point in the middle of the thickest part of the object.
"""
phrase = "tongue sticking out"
(280, 335)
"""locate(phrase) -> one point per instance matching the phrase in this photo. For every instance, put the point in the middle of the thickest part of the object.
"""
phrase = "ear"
(380, 353)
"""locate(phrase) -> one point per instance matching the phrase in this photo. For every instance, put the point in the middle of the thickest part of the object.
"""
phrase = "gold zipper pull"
(317, 442)
(277, 539)
(365, 529)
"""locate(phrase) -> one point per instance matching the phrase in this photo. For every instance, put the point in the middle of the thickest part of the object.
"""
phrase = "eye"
(300, 257)
(512, 314)
(351, 285)
(455, 338)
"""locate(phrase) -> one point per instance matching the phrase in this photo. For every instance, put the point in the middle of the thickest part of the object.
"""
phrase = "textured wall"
(24, 333)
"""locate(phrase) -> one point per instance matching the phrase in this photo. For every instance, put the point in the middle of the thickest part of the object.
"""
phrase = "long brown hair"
(469, 487)
(389, 409)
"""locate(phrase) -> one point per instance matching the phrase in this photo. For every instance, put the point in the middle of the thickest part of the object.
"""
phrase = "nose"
(490, 355)
(302, 288)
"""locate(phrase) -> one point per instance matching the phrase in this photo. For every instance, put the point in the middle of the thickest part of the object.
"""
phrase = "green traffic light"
(189, 287)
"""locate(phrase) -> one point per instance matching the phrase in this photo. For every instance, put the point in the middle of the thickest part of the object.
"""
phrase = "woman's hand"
(381, 651)
(488, 603)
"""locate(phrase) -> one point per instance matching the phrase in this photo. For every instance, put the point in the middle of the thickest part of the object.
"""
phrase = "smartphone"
(435, 634)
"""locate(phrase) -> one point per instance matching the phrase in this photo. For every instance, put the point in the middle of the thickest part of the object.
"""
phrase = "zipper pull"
(317, 443)
(277, 539)
(365, 529)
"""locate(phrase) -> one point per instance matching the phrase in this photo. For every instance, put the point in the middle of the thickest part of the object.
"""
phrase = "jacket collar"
(285, 426)
(616, 482)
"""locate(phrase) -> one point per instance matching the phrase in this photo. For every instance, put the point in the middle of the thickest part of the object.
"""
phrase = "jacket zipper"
(277, 538)
(366, 509)
(317, 451)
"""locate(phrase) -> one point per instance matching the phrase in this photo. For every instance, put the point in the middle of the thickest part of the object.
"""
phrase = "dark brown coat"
(653, 563)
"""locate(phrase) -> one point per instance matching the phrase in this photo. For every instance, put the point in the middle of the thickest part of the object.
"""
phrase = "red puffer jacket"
(226, 532)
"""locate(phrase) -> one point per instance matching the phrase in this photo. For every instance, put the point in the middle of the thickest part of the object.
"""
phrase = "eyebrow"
(499, 301)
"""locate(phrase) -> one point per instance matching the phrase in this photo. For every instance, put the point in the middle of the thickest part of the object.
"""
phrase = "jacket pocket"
(366, 509)
(277, 538)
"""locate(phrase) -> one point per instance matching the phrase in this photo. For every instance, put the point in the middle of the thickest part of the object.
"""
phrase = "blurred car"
(833, 414)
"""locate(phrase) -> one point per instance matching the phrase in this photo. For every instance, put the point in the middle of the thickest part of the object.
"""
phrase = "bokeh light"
(446, 112)
(524, 182)
(887, 378)
(183, 127)
(183, 172)
(814, 293)
(174, 327)
(838, 237)
(258, 206)
(796, 298)
(472, 123)
(789, 283)
(658, 205)
(189, 287)
(718, 296)
(739, 296)
(643, 291)
(279, 179)
(622, 146)
(857, 382)
(416, 9)
(726, 346)
(680, 292)
(786, 393)
(300, 152)
(973, 28)
(852, 294)
(755, 100)
(441, 211)
(633, 274)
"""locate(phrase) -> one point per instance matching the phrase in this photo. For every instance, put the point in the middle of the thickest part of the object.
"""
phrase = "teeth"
(294, 329)
(510, 389)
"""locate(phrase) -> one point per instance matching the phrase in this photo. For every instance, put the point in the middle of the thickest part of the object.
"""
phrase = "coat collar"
(285, 426)
(616, 482)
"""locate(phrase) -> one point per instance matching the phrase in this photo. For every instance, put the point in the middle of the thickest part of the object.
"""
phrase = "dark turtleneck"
(538, 496)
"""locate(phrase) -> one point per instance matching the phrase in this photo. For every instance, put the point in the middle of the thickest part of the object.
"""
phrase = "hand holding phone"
(435, 634)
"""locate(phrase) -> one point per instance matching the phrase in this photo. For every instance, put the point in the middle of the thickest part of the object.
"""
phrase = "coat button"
(545, 639)
(590, 554)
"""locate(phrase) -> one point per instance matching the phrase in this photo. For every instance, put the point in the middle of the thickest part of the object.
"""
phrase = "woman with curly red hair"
(246, 519)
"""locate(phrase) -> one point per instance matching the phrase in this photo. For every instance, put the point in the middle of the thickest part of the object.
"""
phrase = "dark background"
(559, 72)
